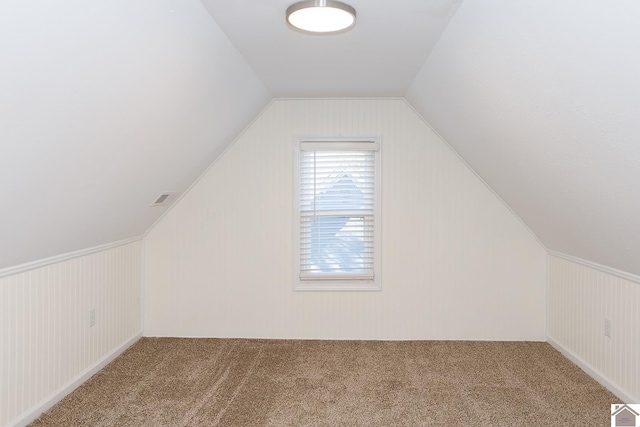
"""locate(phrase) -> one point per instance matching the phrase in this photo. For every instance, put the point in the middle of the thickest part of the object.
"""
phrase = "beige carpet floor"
(237, 382)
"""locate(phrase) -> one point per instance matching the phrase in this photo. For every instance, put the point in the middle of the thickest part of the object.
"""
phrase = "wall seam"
(454, 151)
(206, 171)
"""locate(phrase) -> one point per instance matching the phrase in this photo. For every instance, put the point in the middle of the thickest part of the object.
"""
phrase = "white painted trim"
(546, 295)
(257, 337)
(602, 268)
(143, 284)
(344, 98)
(32, 414)
(21, 268)
(593, 372)
(206, 171)
(339, 286)
(524, 224)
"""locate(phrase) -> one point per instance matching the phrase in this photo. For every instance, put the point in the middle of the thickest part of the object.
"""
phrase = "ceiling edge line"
(202, 175)
(226, 36)
(599, 267)
(594, 265)
(32, 265)
(341, 98)
(455, 152)
(434, 46)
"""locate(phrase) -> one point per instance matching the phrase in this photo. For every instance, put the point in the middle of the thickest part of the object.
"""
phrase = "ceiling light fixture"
(321, 17)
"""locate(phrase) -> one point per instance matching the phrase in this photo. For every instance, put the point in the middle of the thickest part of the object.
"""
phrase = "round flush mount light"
(321, 17)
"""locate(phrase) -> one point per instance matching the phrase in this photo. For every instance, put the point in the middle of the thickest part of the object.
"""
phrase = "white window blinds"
(337, 210)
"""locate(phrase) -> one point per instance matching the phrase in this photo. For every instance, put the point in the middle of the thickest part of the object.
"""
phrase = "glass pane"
(338, 244)
(337, 204)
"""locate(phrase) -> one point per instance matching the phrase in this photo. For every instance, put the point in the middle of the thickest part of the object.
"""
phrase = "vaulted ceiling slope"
(542, 99)
(103, 106)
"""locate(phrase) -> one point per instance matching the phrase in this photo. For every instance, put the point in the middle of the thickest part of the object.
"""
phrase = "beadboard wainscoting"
(456, 262)
(47, 347)
(580, 299)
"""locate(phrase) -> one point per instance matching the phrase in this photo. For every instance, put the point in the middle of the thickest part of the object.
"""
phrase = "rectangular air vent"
(165, 199)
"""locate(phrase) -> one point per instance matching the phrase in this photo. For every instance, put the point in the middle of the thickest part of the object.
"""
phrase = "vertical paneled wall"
(45, 339)
(580, 298)
(456, 263)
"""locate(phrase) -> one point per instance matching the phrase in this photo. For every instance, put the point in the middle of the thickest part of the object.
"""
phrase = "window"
(337, 219)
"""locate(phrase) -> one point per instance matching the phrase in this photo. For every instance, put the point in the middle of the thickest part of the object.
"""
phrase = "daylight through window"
(337, 203)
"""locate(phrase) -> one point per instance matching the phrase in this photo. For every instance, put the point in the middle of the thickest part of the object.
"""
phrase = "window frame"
(339, 284)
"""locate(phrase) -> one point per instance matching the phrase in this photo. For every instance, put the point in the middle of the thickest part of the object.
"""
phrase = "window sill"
(325, 286)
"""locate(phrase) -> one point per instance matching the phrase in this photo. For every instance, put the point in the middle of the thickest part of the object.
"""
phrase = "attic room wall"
(46, 345)
(580, 298)
(456, 263)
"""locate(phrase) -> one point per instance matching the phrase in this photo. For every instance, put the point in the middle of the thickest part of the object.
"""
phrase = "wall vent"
(165, 199)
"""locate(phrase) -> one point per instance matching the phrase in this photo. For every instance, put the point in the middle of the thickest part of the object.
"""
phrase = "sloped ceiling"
(542, 99)
(103, 106)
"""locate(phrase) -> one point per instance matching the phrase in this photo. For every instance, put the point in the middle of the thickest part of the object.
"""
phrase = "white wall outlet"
(92, 317)
(607, 327)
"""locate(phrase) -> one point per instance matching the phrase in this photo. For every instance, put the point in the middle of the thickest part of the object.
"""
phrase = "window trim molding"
(339, 285)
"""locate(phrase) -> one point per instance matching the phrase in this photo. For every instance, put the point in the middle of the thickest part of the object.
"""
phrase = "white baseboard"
(593, 373)
(32, 414)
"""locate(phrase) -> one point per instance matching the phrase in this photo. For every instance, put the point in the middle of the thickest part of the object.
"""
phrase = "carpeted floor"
(237, 382)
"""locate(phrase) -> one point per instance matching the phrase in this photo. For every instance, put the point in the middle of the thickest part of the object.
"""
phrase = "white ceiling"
(379, 57)
(542, 99)
(103, 106)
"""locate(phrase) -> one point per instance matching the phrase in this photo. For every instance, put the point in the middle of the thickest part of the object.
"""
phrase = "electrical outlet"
(92, 317)
(607, 327)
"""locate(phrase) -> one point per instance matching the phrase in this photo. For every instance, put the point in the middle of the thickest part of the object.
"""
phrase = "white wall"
(46, 345)
(457, 264)
(580, 298)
